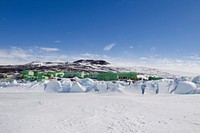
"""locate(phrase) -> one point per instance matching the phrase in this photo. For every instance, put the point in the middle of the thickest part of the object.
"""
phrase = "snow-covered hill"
(82, 65)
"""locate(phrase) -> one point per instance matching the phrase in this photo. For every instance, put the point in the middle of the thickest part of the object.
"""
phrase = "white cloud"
(89, 56)
(194, 57)
(179, 61)
(49, 49)
(131, 47)
(143, 58)
(109, 47)
(16, 55)
(57, 41)
(173, 64)
(191, 66)
(86, 54)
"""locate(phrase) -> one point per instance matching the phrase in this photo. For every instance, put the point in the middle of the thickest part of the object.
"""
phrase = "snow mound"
(185, 87)
(52, 86)
(8, 84)
(196, 80)
(22, 87)
(36, 87)
(77, 87)
(88, 83)
(66, 85)
(115, 87)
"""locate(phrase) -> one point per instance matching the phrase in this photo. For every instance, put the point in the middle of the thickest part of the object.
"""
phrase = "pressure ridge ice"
(165, 86)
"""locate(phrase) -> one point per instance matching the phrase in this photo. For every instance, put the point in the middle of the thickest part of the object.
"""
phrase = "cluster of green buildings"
(106, 76)
(109, 76)
(40, 76)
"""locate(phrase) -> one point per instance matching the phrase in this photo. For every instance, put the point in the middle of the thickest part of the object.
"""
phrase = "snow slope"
(98, 113)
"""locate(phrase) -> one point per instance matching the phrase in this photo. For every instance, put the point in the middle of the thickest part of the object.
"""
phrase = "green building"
(127, 75)
(42, 78)
(27, 72)
(51, 74)
(74, 74)
(91, 75)
(155, 78)
(39, 74)
(59, 74)
(107, 76)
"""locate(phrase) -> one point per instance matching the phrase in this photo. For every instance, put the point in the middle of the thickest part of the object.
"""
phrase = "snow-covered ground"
(88, 106)
(98, 113)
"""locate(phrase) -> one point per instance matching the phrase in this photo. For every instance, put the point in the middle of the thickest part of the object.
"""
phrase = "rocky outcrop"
(92, 62)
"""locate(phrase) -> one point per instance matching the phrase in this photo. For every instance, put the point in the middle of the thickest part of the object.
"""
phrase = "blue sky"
(154, 33)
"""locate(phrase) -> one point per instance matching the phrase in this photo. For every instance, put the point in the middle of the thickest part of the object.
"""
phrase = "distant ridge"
(89, 66)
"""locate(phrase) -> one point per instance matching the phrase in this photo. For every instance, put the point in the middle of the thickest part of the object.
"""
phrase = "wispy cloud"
(49, 49)
(109, 47)
(16, 55)
(152, 49)
(191, 64)
(143, 58)
(90, 56)
(57, 41)
(131, 47)
(194, 57)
